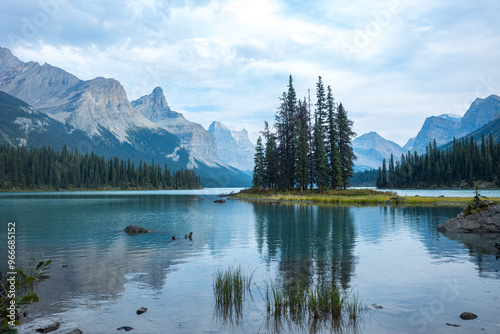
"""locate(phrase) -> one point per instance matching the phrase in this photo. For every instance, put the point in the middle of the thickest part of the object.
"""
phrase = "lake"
(391, 256)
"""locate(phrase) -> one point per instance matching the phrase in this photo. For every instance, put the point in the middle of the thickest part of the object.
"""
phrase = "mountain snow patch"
(174, 156)
(28, 124)
(192, 163)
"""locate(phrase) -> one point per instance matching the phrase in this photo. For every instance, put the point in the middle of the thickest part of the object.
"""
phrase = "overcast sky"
(391, 63)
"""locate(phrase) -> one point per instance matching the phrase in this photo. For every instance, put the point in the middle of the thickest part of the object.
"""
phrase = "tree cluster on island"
(305, 152)
(459, 165)
(46, 169)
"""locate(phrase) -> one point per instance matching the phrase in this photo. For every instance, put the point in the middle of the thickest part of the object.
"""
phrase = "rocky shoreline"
(485, 221)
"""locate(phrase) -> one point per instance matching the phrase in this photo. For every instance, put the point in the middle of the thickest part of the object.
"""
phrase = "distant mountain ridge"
(370, 150)
(443, 128)
(234, 147)
(482, 118)
(100, 112)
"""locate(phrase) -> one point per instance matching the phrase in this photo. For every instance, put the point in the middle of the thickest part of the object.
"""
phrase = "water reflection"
(481, 250)
(311, 243)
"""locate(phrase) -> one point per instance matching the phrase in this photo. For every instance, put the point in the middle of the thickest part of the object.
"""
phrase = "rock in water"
(49, 328)
(75, 331)
(135, 229)
(219, 201)
(486, 221)
(126, 328)
(468, 316)
(141, 310)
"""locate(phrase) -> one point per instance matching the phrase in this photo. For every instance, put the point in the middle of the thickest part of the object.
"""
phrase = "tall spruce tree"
(345, 134)
(271, 158)
(302, 141)
(320, 158)
(334, 171)
(259, 177)
(321, 116)
(391, 177)
(285, 122)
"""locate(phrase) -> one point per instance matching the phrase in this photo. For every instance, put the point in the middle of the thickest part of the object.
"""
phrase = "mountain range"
(482, 118)
(45, 105)
(52, 107)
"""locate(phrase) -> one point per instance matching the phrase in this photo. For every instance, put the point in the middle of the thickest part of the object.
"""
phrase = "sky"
(390, 63)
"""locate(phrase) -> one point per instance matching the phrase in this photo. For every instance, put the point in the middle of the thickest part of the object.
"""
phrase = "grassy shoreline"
(350, 197)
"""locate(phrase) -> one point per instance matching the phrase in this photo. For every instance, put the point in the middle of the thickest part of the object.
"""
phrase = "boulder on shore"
(485, 221)
(135, 229)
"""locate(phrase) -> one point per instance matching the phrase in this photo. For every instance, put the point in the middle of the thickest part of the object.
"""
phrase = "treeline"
(306, 152)
(462, 164)
(366, 178)
(45, 168)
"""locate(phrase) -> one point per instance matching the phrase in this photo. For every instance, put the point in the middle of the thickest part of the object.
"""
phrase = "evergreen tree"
(320, 159)
(302, 140)
(379, 183)
(285, 122)
(334, 171)
(321, 110)
(345, 135)
(391, 179)
(384, 174)
(260, 167)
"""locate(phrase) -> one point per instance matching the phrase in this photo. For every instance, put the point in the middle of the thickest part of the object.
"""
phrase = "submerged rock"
(219, 201)
(135, 229)
(468, 316)
(485, 221)
(49, 328)
(141, 310)
(75, 331)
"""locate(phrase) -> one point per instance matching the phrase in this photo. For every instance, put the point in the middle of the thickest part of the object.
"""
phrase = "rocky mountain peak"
(154, 106)
(218, 126)
(234, 147)
(159, 99)
(193, 136)
(7, 59)
(480, 113)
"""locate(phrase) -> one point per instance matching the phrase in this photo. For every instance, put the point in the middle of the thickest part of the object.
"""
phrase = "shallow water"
(391, 256)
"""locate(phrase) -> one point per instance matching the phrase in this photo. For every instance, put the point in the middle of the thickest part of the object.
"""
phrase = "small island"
(347, 197)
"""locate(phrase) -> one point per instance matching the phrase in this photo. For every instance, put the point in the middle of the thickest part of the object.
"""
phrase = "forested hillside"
(46, 169)
(460, 165)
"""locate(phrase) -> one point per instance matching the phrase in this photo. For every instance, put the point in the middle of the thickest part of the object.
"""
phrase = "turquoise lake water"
(391, 256)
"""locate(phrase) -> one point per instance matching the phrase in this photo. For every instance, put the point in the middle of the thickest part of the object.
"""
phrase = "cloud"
(391, 63)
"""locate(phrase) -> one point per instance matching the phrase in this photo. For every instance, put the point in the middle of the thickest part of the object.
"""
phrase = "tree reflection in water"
(314, 248)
